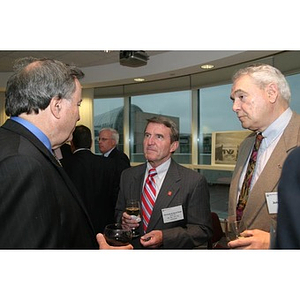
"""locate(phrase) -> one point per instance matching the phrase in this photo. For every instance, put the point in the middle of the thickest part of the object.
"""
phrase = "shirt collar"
(34, 130)
(106, 154)
(161, 168)
(277, 127)
(81, 149)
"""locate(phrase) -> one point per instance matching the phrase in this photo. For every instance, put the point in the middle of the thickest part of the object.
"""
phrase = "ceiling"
(102, 69)
(81, 59)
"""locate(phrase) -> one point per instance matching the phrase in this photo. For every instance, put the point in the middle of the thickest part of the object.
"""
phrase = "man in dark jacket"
(94, 178)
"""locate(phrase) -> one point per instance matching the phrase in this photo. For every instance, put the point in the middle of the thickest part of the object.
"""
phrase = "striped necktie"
(248, 177)
(148, 197)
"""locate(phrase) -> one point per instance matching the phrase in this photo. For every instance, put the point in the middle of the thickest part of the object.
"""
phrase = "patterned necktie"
(248, 177)
(148, 197)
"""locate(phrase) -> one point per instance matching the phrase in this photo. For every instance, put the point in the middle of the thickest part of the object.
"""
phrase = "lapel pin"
(169, 193)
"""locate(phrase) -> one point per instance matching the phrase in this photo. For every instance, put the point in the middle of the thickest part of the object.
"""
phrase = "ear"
(55, 106)
(272, 92)
(174, 146)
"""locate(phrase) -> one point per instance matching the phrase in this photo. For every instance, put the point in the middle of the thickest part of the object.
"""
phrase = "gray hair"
(114, 133)
(265, 74)
(36, 81)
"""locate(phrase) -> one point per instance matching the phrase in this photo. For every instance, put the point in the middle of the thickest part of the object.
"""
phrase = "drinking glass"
(117, 234)
(133, 209)
(233, 228)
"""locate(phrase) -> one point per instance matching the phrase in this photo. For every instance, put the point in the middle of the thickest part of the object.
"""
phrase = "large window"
(108, 113)
(177, 106)
(216, 114)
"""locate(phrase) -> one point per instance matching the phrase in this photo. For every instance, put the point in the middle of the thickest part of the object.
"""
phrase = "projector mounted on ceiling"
(133, 58)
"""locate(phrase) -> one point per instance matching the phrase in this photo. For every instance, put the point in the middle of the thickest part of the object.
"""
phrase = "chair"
(218, 233)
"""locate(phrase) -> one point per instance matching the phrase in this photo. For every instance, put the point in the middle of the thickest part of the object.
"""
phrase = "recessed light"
(206, 67)
(139, 79)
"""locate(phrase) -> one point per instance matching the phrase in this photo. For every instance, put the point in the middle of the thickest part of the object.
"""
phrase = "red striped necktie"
(148, 197)
(243, 198)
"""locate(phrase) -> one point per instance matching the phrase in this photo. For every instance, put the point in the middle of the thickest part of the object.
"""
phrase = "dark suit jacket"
(121, 159)
(95, 178)
(256, 214)
(288, 220)
(39, 205)
(182, 187)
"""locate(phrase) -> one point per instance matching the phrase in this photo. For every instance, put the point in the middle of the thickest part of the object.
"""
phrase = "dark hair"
(168, 123)
(36, 81)
(82, 137)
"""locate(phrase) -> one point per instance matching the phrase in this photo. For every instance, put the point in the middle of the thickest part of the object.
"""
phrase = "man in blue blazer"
(181, 216)
(288, 223)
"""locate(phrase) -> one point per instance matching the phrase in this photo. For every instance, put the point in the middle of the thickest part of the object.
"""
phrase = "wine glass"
(117, 234)
(133, 209)
(233, 228)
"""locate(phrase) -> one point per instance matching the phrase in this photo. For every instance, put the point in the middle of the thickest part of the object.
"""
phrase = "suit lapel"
(269, 178)
(242, 158)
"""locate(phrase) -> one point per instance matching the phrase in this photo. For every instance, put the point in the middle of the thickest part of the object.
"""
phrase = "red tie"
(248, 177)
(148, 197)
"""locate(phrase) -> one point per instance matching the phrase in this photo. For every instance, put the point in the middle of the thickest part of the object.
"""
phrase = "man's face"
(157, 144)
(105, 141)
(251, 104)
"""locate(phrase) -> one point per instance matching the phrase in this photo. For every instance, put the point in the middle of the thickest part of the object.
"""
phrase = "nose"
(236, 105)
(149, 140)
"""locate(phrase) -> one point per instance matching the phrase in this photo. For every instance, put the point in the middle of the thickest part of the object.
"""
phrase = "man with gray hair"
(261, 100)
(108, 142)
(39, 205)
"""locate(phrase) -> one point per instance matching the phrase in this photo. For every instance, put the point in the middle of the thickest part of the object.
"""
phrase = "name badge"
(172, 214)
(272, 202)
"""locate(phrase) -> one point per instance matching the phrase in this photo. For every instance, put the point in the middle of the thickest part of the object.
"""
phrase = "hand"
(251, 239)
(103, 244)
(128, 220)
(152, 239)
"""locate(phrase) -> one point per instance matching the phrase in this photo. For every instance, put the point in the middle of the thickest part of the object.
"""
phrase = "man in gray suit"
(261, 98)
(181, 216)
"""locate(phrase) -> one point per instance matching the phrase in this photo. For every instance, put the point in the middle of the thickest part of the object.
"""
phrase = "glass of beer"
(133, 209)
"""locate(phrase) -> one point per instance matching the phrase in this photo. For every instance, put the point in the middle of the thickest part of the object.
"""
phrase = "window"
(216, 114)
(293, 81)
(177, 106)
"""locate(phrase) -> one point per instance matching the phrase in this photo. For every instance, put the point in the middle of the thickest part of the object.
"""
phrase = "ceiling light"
(139, 79)
(207, 67)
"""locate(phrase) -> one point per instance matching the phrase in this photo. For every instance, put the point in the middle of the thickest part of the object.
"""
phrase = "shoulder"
(293, 157)
(185, 172)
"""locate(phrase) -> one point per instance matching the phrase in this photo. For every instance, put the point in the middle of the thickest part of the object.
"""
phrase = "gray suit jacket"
(256, 215)
(181, 186)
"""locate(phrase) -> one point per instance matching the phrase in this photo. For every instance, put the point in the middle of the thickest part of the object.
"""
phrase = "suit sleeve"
(288, 222)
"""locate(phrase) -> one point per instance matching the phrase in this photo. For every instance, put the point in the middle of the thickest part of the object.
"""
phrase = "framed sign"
(225, 146)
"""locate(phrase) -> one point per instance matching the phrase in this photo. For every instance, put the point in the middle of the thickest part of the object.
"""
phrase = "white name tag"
(272, 202)
(172, 214)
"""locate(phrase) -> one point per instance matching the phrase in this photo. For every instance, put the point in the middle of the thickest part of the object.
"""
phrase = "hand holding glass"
(133, 209)
(233, 229)
(117, 234)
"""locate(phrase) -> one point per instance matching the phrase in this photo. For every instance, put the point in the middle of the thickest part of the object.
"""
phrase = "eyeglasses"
(104, 139)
